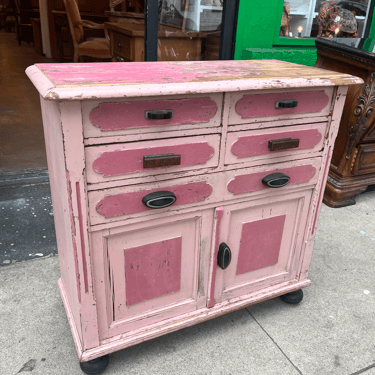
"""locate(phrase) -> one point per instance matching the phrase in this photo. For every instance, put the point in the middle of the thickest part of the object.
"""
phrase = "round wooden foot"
(95, 366)
(293, 297)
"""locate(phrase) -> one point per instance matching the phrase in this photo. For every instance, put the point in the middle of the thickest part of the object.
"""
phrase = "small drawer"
(149, 158)
(151, 115)
(257, 107)
(269, 144)
(121, 45)
(364, 161)
(150, 199)
(291, 175)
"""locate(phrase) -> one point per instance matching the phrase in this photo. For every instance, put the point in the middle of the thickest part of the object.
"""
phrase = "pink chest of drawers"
(182, 191)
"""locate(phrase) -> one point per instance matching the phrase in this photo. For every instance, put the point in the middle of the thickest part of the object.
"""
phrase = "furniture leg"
(95, 366)
(293, 298)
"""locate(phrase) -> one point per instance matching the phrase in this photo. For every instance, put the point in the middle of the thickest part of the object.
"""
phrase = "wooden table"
(127, 42)
(353, 162)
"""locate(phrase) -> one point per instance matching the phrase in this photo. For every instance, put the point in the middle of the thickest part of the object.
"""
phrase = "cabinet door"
(265, 238)
(150, 271)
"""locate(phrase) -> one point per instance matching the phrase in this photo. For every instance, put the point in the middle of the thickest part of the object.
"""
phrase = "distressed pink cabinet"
(182, 191)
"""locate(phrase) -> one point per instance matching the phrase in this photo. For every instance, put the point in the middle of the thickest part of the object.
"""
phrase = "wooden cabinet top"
(77, 81)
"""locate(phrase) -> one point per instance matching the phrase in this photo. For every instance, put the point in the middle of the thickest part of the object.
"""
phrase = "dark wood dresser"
(352, 167)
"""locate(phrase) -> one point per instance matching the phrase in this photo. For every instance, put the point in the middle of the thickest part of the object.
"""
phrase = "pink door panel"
(254, 145)
(250, 179)
(113, 162)
(129, 116)
(151, 271)
(266, 240)
(245, 108)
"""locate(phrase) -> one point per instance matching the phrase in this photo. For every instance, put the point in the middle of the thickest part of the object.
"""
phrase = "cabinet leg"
(293, 297)
(95, 366)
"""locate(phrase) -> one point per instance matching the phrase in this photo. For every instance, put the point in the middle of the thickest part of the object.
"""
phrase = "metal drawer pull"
(159, 114)
(276, 180)
(286, 104)
(283, 144)
(161, 160)
(224, 256)
(159, 199)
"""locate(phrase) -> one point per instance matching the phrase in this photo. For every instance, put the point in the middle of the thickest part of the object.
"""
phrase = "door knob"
(224, 256)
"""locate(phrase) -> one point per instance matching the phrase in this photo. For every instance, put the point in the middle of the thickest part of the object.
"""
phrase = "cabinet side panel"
(60, 200)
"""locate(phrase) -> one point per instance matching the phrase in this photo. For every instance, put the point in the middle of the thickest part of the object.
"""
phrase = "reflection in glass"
(319, 18)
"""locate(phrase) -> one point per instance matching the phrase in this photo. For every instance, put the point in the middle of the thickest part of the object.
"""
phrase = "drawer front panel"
(125, 202)
(365, 160)
(113, 162)
(121, 45)
(129, 117)
(251, 107)
(249, 180)
(247, 146)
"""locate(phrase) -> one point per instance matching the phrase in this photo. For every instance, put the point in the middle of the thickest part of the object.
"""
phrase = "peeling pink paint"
(253, 182)
(130, 161)
(126, 115)
(258, 144)
(260, 105)
(143, 72)
(80, 218)
(219, 215)
(129, 203)
(153, 270)
(260, 244)
(73, 235)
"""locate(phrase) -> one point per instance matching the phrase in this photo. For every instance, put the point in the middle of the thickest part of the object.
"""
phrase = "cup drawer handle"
(159, 199)
(276, 180)
(161, 160)
(283, 144)
(159, 114)
(286, 104)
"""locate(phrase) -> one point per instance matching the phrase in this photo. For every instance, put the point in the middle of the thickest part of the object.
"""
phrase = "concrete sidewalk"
(332, 331)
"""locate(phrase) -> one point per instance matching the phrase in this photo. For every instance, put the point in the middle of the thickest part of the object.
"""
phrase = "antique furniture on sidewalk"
(352, 168)
(182, 190)
(127, 42)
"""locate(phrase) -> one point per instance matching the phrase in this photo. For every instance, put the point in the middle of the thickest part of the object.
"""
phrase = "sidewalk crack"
(363, 370)
(297, 369)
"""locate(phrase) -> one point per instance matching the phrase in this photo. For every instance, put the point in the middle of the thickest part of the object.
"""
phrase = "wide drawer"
(269, 144)
(101, 119)
(128, 201)
(246, 107)
(140, 159)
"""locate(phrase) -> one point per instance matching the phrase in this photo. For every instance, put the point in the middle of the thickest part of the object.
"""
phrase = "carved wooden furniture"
(352, 168)
(182, 190)
(97, 48)
(127, 42)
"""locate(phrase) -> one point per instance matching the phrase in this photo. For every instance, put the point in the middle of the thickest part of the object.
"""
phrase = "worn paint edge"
(72, 92)
(80, 218)
(69, 314)
(42, 83)
(190, 319)
(218, 216)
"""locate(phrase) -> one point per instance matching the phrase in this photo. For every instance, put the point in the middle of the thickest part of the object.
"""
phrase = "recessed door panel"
(151, 271)
(265, 239)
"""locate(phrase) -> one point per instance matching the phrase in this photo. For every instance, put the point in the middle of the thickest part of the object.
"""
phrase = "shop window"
(189, 30)
(303, 19)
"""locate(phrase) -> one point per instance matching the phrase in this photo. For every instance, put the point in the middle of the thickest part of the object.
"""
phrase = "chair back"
(74, 18)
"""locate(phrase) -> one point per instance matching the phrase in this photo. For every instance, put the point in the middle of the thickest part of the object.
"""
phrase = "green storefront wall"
(258, 30)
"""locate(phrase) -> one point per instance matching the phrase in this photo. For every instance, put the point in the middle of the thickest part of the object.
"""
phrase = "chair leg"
(76, 56)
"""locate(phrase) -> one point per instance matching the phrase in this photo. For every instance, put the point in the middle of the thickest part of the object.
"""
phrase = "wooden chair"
(98, 47)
